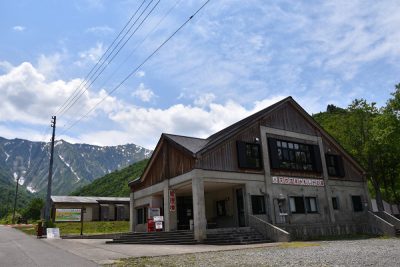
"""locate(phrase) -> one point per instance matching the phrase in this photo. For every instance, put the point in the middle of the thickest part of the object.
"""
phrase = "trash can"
(191, 224)
(39, 230)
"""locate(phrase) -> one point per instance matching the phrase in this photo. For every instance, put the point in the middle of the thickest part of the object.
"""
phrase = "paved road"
(19, 249)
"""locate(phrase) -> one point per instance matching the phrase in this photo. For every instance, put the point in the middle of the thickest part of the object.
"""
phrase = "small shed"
(95, 208)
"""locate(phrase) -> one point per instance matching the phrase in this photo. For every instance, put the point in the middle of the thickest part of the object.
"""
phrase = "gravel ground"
(366, 252)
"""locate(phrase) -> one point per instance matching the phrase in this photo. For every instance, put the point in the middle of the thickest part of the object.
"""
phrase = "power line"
(101, 58)
(139, 44)
(137, 68)
(126, 41)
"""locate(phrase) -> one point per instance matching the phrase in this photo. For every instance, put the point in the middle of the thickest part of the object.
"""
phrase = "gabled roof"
(87, 200)
(192, 144)
(232, 129)
(197, 146)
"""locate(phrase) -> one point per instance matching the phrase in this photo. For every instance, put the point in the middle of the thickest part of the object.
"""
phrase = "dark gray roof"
(192, 144)
(87, 200)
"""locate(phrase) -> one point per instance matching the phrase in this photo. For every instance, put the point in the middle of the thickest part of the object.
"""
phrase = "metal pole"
(82, 221)
(48, 198)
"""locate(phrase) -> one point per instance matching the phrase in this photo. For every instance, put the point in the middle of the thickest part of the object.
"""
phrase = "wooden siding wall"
(171, 161)
(351, 172)
(224, 156)
(289, 119)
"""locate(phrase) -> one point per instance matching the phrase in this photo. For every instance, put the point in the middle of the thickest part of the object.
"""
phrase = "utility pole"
(18, 171)
(49, 180)
(15, 201)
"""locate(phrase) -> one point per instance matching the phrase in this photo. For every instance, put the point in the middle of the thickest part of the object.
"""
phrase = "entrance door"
(240, 207)
(185, 212)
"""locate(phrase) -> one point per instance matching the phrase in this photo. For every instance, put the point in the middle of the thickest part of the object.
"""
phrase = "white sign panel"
(53, 233)
(158, 225)
(297, 181)
(158, 218)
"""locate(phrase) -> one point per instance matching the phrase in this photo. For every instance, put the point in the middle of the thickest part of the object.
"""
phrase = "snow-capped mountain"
(74, 164)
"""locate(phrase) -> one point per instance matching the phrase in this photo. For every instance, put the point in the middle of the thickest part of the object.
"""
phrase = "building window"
(297, 205)
(258, 204)
(311, 204)
(249, 155)
(294, 156)
(303, 204)
(334, 164)
(357, 203)
(335, 203)
(141, 214)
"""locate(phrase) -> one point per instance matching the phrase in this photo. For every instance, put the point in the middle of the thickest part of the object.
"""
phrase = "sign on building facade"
(68, 215)
(297, 181)
(172, 200)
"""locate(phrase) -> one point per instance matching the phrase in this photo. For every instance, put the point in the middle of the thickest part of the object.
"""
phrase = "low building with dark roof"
(95, 208)
(276, 170)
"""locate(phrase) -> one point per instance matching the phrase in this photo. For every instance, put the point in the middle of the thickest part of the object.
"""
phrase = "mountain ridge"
(75, 165)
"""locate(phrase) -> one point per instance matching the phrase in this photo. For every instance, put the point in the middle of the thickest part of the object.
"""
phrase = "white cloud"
(92, 55)
(144, 126)
(140, 74)
(49, 65)
(29, 97)
(19, 28)
(100, 30)
(204, 99)
(143, 93)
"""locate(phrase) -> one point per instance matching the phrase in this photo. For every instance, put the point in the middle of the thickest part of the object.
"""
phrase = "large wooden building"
(277, 166)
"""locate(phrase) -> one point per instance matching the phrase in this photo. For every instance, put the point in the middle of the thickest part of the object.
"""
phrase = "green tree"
(33, 211)
(372, 137)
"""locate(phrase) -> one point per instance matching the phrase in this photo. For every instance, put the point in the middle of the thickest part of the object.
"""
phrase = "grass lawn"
(72, 228)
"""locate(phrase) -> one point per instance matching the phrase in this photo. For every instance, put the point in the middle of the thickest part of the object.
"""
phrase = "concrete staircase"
(173, 238)
(223, 236)
(234, 236)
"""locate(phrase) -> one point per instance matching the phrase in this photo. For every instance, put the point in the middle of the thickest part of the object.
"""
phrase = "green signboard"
(68, 215)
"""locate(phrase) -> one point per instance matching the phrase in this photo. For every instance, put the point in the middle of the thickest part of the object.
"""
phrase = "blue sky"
(233, 59)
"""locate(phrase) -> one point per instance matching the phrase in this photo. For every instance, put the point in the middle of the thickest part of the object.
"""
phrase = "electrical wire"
(113, 57)
(139, 44)
(98, 62)
(137, 68)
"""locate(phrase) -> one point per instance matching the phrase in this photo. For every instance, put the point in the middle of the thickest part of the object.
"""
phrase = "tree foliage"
(372, 136)
(33, 210)
(114, 184)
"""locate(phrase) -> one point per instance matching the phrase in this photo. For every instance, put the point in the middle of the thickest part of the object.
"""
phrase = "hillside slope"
(114, 184)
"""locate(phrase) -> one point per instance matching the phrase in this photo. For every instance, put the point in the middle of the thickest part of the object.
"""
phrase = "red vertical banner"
(172, 200)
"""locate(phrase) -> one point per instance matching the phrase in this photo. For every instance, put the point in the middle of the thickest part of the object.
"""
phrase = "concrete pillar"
(328, 192)
(167, 222)
(132, 213)
(199, 209)
(269, 193)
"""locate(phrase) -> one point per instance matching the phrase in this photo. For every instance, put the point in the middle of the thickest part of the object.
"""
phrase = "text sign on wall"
(297, 181)
(68, 215)
(172, 200)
